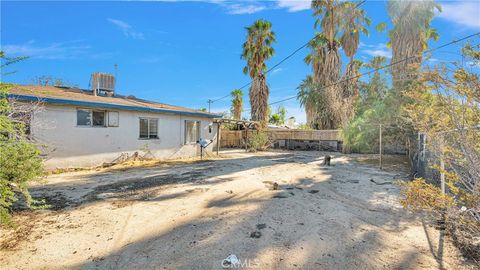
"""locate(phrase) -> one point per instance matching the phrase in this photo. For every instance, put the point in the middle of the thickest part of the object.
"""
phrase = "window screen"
(98, 118)
(113, 119)
(148, 128)
(153, 128)
(143, 128)
(83, 118)
(192, 131)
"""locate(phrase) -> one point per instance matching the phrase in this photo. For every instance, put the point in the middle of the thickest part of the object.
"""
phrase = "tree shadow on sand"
(313, 225)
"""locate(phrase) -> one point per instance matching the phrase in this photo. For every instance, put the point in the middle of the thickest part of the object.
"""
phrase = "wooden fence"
(236, 138)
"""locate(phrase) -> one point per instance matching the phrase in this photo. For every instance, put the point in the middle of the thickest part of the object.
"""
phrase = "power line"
(210, 101)
(382, 67)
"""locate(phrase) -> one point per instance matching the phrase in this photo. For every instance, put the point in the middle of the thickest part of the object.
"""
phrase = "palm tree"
(344, 19)
(316, 58)
(306, 97)
(350, 79)
(350, 92)
(237, 103)
(355, 22)
(409, 37)
(256, 50)
(313, 99)
(328, 13)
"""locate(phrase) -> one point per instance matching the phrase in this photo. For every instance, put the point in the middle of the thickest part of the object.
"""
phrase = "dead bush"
(258, 141)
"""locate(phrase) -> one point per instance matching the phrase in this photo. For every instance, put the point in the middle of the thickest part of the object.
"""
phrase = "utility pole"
(380, 150)
(209, 103)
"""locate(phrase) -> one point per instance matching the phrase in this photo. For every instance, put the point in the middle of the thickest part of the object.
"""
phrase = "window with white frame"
(192, 131)
(97, 118)
(148, 128)
(113, 119)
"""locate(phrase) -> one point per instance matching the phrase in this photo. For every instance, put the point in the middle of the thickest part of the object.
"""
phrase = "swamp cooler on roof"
(103, 84)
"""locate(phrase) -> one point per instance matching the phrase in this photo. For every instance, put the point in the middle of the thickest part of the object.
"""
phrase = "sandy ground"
(192, 216)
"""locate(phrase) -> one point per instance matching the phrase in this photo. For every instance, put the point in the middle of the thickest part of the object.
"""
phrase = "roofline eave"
(108, 105)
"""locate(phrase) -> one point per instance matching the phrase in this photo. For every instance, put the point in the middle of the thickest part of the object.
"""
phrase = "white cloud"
(380, 49)
(464, 13)
(126, 29)
(53, 51)
(244, 9)
(294, 5)
(253, 6)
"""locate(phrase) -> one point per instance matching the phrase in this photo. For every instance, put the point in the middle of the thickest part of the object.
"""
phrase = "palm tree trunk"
(259, 99)
(405, 46)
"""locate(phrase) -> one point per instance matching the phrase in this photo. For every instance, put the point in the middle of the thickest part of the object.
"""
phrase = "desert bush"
(258, 141)
(20, 161)
(465, 232)
(444, 105)
(419, 195)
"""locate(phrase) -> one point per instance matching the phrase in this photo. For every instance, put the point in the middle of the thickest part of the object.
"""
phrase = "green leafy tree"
(376, 88)
(257, 49)
(279, 117)
(20, 161)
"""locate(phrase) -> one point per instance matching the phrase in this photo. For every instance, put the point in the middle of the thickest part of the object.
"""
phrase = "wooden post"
(218, 138)
(246, 139)
(380, 150)
(442, 169)
(442, 175)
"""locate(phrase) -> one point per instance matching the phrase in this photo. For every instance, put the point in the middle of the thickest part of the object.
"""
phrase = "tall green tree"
(316, 58)
(328, 18)
(20, 161)
(354, 22)
(237, 103)
(307, 98)
(376, 88)
(341, 23)
(257, 49)
(409, 37)
(313, 99)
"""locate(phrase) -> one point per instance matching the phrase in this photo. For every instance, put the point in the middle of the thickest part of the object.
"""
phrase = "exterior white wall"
(68, 145)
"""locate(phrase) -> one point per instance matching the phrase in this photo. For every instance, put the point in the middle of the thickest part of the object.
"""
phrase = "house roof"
(80, 97)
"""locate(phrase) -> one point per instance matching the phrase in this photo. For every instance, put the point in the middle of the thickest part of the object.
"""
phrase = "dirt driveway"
(192, 216)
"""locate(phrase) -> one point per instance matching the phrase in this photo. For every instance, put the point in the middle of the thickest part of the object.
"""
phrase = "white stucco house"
(79, 128)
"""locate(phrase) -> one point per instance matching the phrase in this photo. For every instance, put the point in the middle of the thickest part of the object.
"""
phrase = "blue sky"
(184, 53)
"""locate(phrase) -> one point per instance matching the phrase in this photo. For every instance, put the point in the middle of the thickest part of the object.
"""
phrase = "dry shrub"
(465, 232)
(460, 222)
(419, 195)
(258, 141)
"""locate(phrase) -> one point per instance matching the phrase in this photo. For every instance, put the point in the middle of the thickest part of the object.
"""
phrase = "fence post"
(246, 139)
(442, 169)
(218, 137)
(380, 150)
